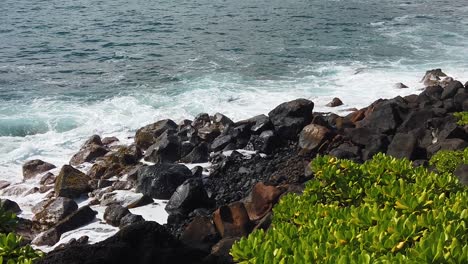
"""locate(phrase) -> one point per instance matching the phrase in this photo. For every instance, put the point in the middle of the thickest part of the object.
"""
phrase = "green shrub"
(8, 221)
(446, 161)
(382, 211)
(462, 118)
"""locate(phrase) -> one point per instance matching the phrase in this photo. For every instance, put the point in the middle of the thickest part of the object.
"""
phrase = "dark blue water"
(69, 68)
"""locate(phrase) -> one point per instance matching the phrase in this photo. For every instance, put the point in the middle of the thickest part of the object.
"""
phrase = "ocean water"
(73, 68)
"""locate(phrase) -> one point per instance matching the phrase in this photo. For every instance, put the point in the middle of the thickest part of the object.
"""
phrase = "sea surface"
(73, 68)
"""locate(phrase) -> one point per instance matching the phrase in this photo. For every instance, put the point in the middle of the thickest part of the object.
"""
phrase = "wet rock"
(122, 185)
(147, 135)
(221, 142)
(261, 200)
(199, 154)
(47, 179)
(45, 188)
(432, 92)
(416, 119)
(10, 206)
(47, 238)
(130, 219)
(200, 233)
(71, 182)
(90, 150)
(209, 133)
(289, 118)
(161, 180)
(222, 121)
(109, 140)
(451, 89)
(80, 241)
(55, 210)
(114, 213)
(116, 163)
(125, 199)
(335, 102)
(384, 118)
(402, 146)
(4, 184)
(260, 123)
(188, 196)
(313, 136)
(432, 77)
(141, 243)
(232, 220)
(400, 86)
(266, 142)
(201, 120)
(462, 174)
(165, 150)
(32, 168)
(84, 215)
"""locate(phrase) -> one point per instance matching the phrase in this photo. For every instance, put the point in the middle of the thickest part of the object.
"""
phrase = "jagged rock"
(82, 240)
(166, 149)
(161, 180)
(47, 238)
(221, 120)
(71, 182)
(261, 200)
(32, 168)
(10, 206)
(462, 174)
(335, 102)
(451, 89)
(125, 199)
(201, 120)
(232, 220)
(114, 213)
(220, 253)
(400, 86)
(200, 233)
(313, 136)
(116, 163)
(122, 185)
(199, 154)
(209, 133)
(90, 150)
(47, 179)
(221, 142)
(4, 184)
(55, 210)
(130, 219)
(384, 118)
(402, 146)
(289, 118)
(197, 171)
(416, 119)
(147, 135)
(188, 196)
(141, 243)
(447, 144)
(109, 140)
(266, 142)
(432, 77)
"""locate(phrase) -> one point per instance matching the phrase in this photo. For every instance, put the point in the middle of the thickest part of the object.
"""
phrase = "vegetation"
(382, 211)
(12, 250)
(446, 161)
(462, 118)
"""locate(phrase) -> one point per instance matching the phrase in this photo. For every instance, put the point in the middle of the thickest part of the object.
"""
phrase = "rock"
(55, 210)
(335, 102)
(451, 89)
(116, 163)
(313, 136)
(221, 120)
(125, 199)
(47, 238)
(122, 185)
(4, 184)
(73, 241)
(161, 180)
(165, 150)
(384, 118)
(200, 233)
(260, 123)
(147, 135)
(71, 182)
(220, 253)
(289, 118)
(90, 150)
(141, 243)
(462, 174)
(402, 146)
(47, 179)
(188, 196)
(266, 142)
(221, 142)
(10, 206)
(130, 219)
(433, 92)
(416, 119)
(114, 213)
(232, 220)
(346, 151)
(144, 200)
(80, 217)
(109, 140)
(261, 200)
(199, 154)
(201, 120)
(447, 144)
(432, 77)
(32, 168)
(208, 133)
(400, 85)
(186, 147)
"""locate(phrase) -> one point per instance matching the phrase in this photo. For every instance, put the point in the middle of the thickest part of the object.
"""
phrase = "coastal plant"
(382, 211)
(462, 118)
(446, 161)
(7, 220)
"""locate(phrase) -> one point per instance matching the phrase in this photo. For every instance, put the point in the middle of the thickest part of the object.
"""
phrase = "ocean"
(73, 68)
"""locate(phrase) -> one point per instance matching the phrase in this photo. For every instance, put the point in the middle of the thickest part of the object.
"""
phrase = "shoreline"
(288, 137)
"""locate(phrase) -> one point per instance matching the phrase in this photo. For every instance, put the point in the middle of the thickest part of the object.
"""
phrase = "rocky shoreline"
(252, 162)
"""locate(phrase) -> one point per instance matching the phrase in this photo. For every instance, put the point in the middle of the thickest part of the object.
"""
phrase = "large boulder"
(114, 213)
(141, 243)
(335, 102)
(384, 117)
(199, 154)
(189, 196)
(147, 135)
(71, 182)
(10, 206)
(290, 117)
(313, 136)
(130, 219)
(32, 168)
(451, 89)
(55, 210)
(232, 220)
(261, 200)
(161, 180)
(432, 77)
(266, 142)
(402, 146)
(88, 153)
(165, 150)
(200, 233)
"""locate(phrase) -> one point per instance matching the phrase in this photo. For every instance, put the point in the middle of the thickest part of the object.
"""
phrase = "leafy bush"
(446, 161)
(382, 211)
(11, 251)
(462, 118)
(7, 221)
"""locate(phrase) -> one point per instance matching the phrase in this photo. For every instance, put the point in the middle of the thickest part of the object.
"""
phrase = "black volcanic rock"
(161, 180)
(289, 118)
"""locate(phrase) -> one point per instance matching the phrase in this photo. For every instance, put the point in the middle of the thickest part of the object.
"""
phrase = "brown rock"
(88, 153)
(71, 182)
(232, 220)
(261, 200)
(47, 179)
(335, 102)
(313, 136)
(109, 140)
(34, 167)
(200, 233)
(147, 135)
